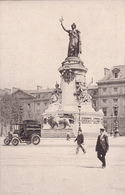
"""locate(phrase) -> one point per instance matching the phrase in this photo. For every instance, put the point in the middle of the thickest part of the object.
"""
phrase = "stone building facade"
(34, 102)
(2, 93)
(109, 95)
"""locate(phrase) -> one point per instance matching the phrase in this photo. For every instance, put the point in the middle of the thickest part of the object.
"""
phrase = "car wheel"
(15, 141)
(6, 141)
(35, 139)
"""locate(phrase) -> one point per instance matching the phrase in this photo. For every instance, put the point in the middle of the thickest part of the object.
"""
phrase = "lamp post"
(116, 114)
(79, 108)
(116, 121)
(79, 98)
(111, 132)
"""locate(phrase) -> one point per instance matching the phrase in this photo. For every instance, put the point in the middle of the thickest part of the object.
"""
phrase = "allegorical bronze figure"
(74, 40)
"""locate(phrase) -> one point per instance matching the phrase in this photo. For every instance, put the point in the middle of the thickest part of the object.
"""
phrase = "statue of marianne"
(74, 40)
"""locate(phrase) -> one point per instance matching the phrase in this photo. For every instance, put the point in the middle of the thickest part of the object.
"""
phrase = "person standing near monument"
(80, 141)
(102, 147)
(74, 40)
(68, 136)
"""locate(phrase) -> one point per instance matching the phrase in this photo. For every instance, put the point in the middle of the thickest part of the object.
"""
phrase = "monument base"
(90, 120)
(57, 133)
(72, 60)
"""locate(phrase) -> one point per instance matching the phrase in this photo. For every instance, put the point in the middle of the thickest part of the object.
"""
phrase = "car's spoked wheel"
(6, 141)
(15, 141)
(35, 139)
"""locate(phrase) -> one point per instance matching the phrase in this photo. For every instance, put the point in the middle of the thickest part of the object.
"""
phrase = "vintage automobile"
(27, 132)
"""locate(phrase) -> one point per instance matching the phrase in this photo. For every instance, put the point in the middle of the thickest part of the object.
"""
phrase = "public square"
(53, 168)
(52, 82)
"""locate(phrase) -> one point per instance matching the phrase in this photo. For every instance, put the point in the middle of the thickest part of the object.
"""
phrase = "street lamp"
(79, 108)
(111, 132)
(116, 122)
(79, 99)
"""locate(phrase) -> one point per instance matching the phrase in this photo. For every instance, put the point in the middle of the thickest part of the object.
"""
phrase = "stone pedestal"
(91, 121)
(73, 79)
(72, 72)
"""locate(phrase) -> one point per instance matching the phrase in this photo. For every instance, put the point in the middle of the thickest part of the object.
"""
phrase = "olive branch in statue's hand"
(61, 19)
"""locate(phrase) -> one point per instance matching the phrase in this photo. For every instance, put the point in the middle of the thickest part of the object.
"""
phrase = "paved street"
(53, 168)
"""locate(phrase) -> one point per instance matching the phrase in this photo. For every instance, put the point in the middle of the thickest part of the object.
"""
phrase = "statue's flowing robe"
(74, 43)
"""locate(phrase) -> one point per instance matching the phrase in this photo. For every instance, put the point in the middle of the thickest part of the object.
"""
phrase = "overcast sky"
(33, 44)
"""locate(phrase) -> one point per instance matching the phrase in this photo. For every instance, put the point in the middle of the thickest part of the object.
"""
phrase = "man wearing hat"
(102, 147)
(80, 141)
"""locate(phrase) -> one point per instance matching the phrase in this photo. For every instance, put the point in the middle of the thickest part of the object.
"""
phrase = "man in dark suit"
(80, 141)
(102, 147)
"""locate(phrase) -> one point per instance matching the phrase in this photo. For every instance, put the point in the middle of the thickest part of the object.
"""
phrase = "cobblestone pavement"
(53, 168)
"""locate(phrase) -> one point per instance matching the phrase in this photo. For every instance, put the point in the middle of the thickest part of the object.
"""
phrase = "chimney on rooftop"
(106, 70)
(39, 88)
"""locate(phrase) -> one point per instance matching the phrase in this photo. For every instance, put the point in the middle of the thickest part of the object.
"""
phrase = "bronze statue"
(74, 40)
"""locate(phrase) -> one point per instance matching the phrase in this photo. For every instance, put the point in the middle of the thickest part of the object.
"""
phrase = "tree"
(11, 110)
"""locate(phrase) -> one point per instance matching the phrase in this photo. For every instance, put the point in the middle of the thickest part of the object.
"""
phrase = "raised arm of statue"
(61, 20)
(64, 27)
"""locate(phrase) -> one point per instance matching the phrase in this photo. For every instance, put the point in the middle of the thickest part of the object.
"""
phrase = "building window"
(38, 104)
(115, 100)
(104, 100)
(94, 103)
(95, 92)
(29, 106)
(105, 111)
(116, 72)
(115, 89)
(116, 75)
(104, 90)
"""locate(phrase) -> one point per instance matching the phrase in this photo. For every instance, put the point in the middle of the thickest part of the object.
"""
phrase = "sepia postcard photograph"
(62, 97)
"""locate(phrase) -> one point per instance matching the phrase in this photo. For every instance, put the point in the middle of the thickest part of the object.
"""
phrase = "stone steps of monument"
(61, 133)
(56, 133)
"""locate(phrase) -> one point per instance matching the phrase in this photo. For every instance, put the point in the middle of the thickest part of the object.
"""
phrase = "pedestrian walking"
(102, 147)
(80, 141)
